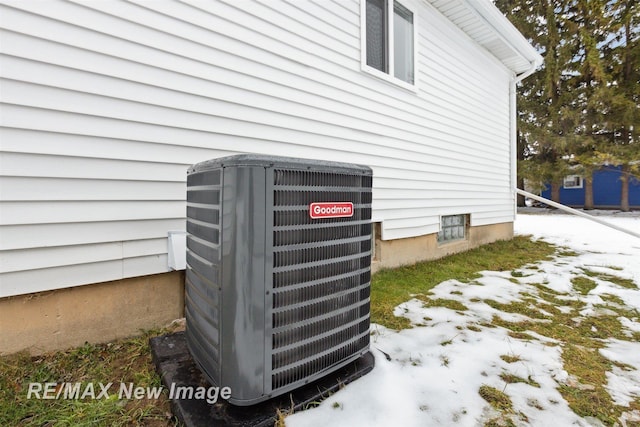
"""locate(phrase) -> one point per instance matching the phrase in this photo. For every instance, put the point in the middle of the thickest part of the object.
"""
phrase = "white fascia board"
(506, 31)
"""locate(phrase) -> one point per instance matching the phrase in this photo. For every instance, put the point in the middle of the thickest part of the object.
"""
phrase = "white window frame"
(570, 178)
(389, 77)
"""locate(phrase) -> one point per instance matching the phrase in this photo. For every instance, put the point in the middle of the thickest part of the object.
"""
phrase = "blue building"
(607, 188)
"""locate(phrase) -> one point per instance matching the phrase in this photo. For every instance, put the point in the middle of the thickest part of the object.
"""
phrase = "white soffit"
(485, 24)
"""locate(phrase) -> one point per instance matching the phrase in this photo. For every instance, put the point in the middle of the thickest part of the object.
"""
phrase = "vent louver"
(274, 297)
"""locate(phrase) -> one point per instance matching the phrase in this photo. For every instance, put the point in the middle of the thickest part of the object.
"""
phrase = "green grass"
(390, 288)
(520, 307)
(612, 299)
(510, 358)
(499, 422)
(620, 281)
(442, 302)
(126, 361)
(519, 335)
(584, 285)
(512, 379)
(496, 398)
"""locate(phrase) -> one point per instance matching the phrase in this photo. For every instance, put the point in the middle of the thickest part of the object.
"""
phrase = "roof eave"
(506, 43)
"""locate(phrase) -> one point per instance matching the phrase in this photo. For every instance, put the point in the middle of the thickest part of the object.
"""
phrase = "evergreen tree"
(622, 54)
(544, 107)
(590, 85)
(582, 109)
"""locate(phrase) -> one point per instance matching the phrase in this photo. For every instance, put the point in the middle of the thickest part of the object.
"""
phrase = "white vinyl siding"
(106, 104)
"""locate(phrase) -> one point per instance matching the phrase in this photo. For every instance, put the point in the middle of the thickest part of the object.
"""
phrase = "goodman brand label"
(330, 210)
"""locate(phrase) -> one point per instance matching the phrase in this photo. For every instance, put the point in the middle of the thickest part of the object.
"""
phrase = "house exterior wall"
(104, 105)
(607, 190)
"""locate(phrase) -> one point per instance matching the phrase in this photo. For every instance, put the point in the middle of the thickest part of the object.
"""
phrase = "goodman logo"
(330, 210)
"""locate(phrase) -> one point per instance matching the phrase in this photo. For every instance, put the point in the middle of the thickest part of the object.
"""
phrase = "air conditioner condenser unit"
(278, 271)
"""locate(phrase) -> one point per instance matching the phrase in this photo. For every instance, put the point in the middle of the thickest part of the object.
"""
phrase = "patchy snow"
(624, 382)
(438, 366)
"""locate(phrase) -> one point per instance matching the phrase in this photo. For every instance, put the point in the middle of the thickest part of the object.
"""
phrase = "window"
(389, 40)
(452, 228)
(572, 181)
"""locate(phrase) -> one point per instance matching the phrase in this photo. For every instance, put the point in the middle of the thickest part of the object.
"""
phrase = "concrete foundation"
(395, 253)
(106, 311)
(95, 313)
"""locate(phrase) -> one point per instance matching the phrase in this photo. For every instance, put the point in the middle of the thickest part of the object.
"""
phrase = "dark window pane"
(376, 34)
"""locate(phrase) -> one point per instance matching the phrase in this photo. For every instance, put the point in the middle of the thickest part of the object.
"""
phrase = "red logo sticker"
(330, 210)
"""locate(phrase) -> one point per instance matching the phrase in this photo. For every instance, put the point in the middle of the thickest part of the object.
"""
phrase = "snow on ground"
(438, 366)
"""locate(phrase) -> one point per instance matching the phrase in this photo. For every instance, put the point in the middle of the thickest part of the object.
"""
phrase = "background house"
(106, 104)
(607, 189)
